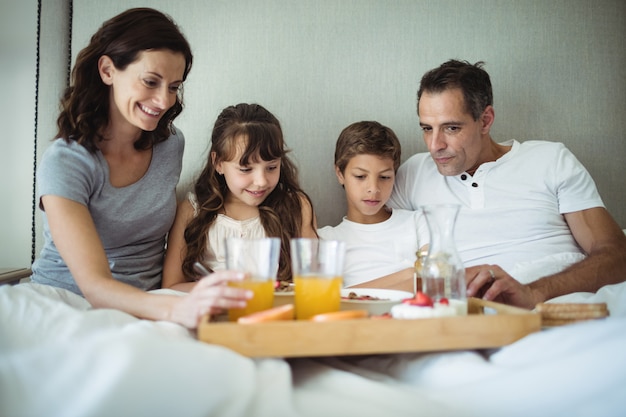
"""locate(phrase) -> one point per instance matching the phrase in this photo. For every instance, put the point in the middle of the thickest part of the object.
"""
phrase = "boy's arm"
(401, 280)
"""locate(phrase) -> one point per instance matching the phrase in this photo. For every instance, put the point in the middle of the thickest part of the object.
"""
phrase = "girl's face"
(250, 184)
(142, 92)
(368, 181)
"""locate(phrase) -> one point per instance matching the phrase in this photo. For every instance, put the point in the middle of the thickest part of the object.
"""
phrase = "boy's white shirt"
(377, 250)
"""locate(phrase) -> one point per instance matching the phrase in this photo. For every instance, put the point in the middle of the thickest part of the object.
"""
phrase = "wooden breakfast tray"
(295, 338)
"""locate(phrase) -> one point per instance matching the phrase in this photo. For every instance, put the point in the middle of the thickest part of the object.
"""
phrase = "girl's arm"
(79, 244)
(173, 276)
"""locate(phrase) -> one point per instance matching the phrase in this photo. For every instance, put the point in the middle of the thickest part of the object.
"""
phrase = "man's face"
(454, 139)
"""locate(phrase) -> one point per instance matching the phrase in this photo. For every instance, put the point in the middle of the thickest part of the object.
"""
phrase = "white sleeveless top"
(224, 227)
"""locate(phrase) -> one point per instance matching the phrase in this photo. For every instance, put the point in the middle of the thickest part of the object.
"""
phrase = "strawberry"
(420, 299)
(444, 301)
(423, 300)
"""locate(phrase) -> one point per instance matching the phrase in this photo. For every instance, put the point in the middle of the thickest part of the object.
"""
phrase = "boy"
(381, 243)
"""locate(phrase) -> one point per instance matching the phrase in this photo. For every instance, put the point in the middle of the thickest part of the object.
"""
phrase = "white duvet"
(59, 357)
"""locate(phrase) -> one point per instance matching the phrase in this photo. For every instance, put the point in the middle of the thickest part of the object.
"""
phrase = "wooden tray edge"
(349, 337)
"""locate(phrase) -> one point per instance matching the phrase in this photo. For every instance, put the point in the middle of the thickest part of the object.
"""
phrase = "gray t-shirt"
(132, 221)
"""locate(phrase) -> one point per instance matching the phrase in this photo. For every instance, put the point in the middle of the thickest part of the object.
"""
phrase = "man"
(528, 210)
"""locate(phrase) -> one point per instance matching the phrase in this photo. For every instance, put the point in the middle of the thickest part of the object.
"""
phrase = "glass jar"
(443, 273)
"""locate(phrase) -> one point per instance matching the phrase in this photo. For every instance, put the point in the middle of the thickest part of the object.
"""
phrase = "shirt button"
(463, 177)
(474, 185)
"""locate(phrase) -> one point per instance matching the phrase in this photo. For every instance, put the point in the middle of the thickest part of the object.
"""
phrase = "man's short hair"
(471, 79)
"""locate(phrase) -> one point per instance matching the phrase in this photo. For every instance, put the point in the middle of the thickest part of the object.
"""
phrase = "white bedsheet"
(58, 357)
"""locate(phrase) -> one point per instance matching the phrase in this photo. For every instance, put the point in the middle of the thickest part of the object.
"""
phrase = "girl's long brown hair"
(85, 103)
(280, 212)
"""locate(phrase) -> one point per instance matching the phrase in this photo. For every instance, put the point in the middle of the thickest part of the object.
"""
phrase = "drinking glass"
(317, 275)
(258, 258)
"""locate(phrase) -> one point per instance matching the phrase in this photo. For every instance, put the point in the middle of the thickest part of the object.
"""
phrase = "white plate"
(387, 299)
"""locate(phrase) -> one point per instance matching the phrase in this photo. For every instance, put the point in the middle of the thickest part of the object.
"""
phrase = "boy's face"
(368, 181)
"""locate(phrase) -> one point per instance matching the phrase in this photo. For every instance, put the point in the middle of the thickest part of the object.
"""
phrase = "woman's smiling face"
(146, 89)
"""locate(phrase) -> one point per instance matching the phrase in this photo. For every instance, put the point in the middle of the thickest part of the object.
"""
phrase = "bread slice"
(558, 314)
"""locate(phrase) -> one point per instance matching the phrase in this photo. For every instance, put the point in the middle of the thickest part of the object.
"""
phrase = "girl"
(248, 188)
(107, 185)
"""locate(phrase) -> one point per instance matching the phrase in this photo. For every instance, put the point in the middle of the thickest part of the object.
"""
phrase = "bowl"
(381, 303)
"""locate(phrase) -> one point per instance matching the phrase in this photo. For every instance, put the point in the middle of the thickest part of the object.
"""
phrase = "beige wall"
(556, 67)
(17, 105)
(18, 43)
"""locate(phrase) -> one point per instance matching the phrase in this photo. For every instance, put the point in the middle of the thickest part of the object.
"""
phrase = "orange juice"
(263, 297)
(316, 295)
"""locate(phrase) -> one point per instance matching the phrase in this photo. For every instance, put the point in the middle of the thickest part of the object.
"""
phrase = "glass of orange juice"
(258, 258)
(317, 275)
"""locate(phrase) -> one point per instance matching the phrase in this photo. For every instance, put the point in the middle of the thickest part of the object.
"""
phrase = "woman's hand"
(211, 295)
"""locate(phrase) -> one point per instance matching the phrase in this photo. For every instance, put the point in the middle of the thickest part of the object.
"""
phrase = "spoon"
(201, 269)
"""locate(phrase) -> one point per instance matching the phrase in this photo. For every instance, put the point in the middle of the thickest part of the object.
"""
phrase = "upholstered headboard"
(556, 68)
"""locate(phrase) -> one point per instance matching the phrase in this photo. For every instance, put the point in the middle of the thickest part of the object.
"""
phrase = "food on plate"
(283, 286)
(340, 315)
(354, 296)
(375, 300)
(422, 306)
(283, 293)
(284, 312)
(422, 300)
(558, 314)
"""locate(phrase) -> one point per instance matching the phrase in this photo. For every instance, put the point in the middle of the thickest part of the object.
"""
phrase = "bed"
(59, 357)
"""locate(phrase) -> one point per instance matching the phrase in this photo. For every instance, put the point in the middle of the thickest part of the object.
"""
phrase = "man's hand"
(490, 282)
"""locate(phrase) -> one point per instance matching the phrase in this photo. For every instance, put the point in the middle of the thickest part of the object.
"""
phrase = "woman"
(107, 184)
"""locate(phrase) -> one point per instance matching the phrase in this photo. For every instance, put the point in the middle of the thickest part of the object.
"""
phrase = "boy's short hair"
(370, 138)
